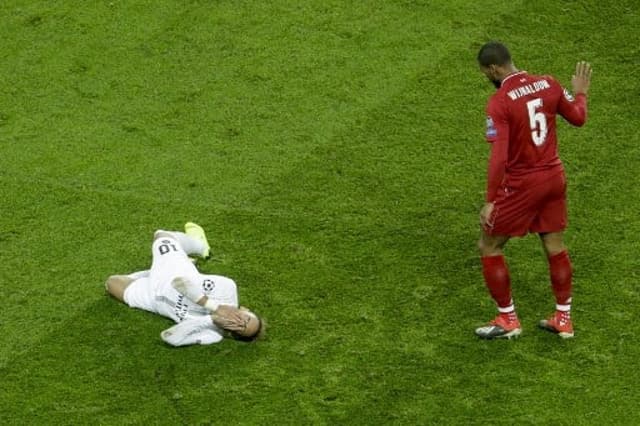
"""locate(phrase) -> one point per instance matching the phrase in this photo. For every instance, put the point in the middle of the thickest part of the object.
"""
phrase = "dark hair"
(494, 53)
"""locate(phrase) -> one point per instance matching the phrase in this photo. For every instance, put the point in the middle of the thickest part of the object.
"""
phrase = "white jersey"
(169, 303)
(155, 293)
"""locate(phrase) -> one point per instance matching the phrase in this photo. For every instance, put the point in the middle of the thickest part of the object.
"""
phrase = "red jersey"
(521, 126)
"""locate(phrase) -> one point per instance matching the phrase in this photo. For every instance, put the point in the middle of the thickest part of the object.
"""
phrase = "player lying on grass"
(205, 307)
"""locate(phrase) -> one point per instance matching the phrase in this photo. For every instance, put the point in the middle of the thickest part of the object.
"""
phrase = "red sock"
(561, 273)
(496, 277)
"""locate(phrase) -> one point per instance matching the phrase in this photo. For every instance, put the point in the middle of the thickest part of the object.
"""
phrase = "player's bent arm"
(117, 284)
(574, 111)
(192, 331)
(193, 292)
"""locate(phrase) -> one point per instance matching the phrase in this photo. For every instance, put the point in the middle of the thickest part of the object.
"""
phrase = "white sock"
(507, 310)
(189, 244)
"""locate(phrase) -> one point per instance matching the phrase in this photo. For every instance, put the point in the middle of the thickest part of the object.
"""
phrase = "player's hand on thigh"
(485, 215)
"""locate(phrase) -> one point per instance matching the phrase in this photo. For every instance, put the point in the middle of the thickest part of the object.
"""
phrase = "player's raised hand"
(582, 78)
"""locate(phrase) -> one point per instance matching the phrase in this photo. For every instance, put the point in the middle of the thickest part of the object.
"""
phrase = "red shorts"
(536, 203)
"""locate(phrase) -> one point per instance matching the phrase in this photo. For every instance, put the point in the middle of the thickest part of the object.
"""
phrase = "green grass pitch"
(334, 152)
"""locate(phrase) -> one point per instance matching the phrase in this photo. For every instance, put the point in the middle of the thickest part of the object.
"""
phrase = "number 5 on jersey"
(537, 122)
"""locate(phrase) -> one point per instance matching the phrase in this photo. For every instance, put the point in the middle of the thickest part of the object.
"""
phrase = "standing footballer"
(526, 185)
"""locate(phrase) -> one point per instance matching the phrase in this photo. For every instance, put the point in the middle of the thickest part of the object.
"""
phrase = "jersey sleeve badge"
(568, 96)
(492, 132)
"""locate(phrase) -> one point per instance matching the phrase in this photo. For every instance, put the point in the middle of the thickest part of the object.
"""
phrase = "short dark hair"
(494, 53)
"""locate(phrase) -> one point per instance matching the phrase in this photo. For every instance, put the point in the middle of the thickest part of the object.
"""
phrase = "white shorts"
(141, 294)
